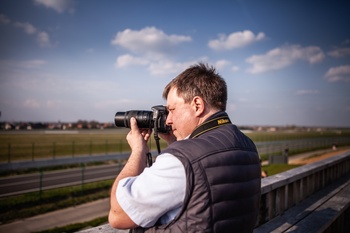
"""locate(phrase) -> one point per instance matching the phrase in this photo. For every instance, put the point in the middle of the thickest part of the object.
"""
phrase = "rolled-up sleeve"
(157, 193)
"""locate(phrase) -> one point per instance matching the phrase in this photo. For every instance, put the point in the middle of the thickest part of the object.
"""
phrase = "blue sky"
(285, 62)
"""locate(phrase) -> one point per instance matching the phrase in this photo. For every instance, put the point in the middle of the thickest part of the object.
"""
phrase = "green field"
(31, 145)
(41, 144)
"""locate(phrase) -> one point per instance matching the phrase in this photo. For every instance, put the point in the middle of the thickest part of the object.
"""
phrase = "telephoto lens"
(144, 119)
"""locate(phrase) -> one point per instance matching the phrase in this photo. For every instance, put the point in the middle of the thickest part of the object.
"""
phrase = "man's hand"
(138, 138)
(168, 137)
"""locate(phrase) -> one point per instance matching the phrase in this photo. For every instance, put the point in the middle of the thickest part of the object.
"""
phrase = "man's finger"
(133, 124)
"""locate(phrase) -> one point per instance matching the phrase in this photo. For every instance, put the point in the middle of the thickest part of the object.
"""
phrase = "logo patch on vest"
(223, 121)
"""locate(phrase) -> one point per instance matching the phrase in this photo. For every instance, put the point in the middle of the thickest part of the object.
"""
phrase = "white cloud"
(32, 63)
(111, 104)
(149, 47)
(148, 41)
(235, 40)
(235, 68)
(29, 64)
(58, 5)
(4, 19)
(152, 48)
(31, 103)
(346, 42)
(221, 64)
(164, 68)
(339, 73)
(90, 50)
(307, 92)
(339, 52)
(284, 56)
(43, 39)
(129, 60)
(27, 27)
(53, 103)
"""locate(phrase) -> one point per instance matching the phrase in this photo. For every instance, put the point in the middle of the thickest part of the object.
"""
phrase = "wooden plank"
(321, 218)
(106, 228)
(305, 208)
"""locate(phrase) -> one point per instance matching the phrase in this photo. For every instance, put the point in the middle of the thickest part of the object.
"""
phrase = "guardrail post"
(82, 176)
(40, 182)
(54, 149)
(73, 148)
(33, 149)
(150, 143)
(9, 153)
(106, 147)
(120, 146)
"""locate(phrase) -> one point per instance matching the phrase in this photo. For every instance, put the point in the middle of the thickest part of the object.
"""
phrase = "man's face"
(181, 116)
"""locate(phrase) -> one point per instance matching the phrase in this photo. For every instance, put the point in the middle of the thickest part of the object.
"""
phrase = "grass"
(285, 135)
(37, 144)
(55, 168)
(274, 169)
(77, 226)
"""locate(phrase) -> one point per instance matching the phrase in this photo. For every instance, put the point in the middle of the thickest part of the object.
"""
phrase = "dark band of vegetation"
(35, 203)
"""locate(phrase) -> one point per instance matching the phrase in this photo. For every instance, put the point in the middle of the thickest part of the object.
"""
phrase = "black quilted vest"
(223, 182)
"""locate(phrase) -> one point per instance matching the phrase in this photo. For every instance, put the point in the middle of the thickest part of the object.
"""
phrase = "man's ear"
(198, 105)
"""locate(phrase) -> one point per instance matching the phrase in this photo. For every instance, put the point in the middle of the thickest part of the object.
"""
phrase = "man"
(206, 180)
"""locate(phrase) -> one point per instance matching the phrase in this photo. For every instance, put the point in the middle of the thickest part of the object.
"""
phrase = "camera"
(145, 119)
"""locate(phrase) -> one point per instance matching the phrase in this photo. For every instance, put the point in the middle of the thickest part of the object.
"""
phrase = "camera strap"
(211, 124)
(149, 159)
(220, 119)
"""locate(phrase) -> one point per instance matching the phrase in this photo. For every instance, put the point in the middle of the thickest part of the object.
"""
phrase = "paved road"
(42, 181)
(48, 180)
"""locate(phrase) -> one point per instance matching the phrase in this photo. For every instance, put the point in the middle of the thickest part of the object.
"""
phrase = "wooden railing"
(283, 191)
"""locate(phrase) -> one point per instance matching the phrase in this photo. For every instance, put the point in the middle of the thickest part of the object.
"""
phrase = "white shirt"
(157, 193)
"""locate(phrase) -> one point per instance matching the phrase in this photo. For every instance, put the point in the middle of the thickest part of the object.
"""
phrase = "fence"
(31, 151)
(299, 145)
(40, 148)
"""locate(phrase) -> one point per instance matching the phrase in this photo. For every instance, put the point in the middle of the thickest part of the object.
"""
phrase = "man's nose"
(169, 120)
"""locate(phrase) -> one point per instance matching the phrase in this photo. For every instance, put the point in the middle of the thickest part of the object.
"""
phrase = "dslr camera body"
(155, 119)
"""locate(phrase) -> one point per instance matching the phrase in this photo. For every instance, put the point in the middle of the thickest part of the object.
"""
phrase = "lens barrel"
(144, 118)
